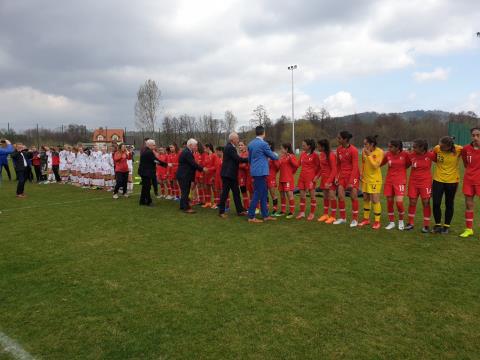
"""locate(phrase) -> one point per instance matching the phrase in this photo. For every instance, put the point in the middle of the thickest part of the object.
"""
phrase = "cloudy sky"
(82, 61)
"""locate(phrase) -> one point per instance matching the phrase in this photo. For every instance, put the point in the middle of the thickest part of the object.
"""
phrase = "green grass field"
(87, 277)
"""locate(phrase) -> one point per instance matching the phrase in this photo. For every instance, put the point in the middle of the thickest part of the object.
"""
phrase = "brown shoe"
(269, 218)
(223, 216)
(189, 211)
(255, 220)
(243, 213)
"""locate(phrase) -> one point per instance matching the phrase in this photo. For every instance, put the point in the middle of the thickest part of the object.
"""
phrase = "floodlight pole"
(291, 68)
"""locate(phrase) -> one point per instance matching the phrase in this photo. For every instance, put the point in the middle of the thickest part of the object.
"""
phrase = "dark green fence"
(461, 132)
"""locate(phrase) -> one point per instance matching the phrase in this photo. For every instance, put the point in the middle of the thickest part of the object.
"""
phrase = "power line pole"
(292, 68)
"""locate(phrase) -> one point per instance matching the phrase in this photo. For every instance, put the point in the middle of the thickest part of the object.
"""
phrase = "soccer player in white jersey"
(130, 171)
(63, 164)
(70, 160)
(51, 176)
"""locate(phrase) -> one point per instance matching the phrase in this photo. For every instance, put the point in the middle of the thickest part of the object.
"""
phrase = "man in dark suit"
(186, 174)
(229, 174)
(20, 165)
(147, 170)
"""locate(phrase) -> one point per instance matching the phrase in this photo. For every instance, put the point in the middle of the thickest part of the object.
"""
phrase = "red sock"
(169, 189)
(469, 219)
(292, 205)
(283, 203)
(246, 200)
(412, 209)
(217, 196)
(333, 207)
(391, 210)
(208, 195)
(355, 209)
(401, 210)
(341, 207)
(313, 205)
(302, 205)
(426, 215)
(326, 203)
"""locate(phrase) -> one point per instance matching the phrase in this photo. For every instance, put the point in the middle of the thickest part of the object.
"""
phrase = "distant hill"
(416, 114)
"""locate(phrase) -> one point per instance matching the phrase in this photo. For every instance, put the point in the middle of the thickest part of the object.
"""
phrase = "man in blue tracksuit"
(258, 154)
(5, 149)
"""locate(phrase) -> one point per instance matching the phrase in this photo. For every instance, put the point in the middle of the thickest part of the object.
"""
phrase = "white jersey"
(82, 159)
(63, 159)
(49, 159)
(70, 159)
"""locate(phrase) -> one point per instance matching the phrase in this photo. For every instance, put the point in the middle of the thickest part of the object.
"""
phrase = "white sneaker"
(401, 225)
(390, 226)
(354, 223)
(125, 195)
(159, 196)
(339, 222)
(115, 196)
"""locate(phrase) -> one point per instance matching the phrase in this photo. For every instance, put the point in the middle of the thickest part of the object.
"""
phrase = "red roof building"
(108, 135)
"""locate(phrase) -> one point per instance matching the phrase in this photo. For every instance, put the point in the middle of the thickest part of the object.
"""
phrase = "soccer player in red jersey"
(197, 190)
(172, 171)
(209, 161)
(162, 173)
(328, 172)
(348, 177)
(398, 162)
(471, 180)
(272, 180)
(244, 179)
(310, 164)
(287, 167)
(420, 183)
(218, 184)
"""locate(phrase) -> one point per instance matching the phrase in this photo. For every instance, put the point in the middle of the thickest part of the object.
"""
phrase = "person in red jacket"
(272, 180)
(36, 163)
(348, 177)
(420, 183)
(56, 163)
(120, 158)
(395, 182)
(310, 164)
(244, 179)
(328, 172)
(287, 167)
(161, 173)
(172, 172)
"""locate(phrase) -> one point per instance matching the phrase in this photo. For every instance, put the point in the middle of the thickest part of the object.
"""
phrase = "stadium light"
(291, 68)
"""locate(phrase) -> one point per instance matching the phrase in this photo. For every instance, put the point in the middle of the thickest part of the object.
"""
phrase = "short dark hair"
(288, 147)
(421, 143)
(259, 130)
(397, 143)
(372, 139)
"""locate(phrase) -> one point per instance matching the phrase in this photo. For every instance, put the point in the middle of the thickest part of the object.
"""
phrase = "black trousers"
(121, 180)
(438, 189)
(185, 185)
(145, 197)
(29, 174)
(155, 185)
(55, 172)
(20, 182)
(230, 184)
(38, 172)
(7, 169)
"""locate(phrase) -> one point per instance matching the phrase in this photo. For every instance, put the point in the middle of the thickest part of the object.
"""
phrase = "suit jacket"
(231, 160)
(19, 161)
(258, 154)
(148, 163)
(187, 166)
(4, 152)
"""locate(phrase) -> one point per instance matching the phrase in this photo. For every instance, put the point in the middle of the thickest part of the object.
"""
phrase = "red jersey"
(272, 169)
(55, 159)
(397, 167)
(162, 171)
(328, 167)
(172, 171)
(287, 166)
(471, 161)
(36, 161)
(310, 164)
(218, 170)
(421, 172)
(347, 163)
(200, 160)
(243, 169)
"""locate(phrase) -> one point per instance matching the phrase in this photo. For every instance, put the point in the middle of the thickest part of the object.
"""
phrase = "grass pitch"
(87, 277)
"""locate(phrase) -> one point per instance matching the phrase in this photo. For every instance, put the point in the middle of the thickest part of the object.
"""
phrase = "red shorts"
(242, 181)
(323, 185)
(208, 179)
(286, 186)
(271, 184)
(471, 190)
(425, 191)
(305, 184)
(394, 189)
(344, 182)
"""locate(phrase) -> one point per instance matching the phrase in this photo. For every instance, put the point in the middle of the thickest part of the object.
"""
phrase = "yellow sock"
(366, 210)
(377, 211)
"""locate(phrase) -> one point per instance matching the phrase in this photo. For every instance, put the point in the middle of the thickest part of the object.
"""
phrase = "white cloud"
(472, 103)
(439, 73)
(341, 103)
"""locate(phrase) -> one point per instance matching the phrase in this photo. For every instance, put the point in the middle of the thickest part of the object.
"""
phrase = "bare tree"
(147, 106)
(230, 122)
(260, 117)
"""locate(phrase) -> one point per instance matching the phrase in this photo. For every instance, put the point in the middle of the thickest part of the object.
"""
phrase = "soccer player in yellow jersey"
(445, 181)
(371, 178)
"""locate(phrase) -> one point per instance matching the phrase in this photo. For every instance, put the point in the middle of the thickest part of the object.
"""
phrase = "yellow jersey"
(447, 165)
(371, 173)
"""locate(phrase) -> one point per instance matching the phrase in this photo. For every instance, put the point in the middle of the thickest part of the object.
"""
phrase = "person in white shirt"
(63, 164)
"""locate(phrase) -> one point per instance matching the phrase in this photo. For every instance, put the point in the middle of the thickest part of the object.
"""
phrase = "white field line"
(54, 204)
(13, 348)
